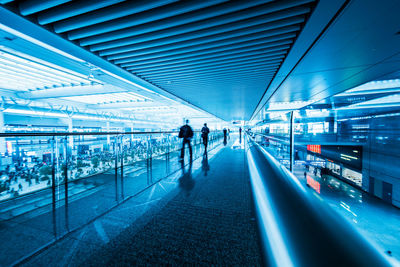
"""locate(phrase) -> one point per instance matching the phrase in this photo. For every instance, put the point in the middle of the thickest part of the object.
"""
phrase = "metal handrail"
(282, 139)
(297, 227)
(19, 134)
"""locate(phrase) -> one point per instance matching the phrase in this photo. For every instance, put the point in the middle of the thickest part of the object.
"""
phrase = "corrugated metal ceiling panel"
(231, 49)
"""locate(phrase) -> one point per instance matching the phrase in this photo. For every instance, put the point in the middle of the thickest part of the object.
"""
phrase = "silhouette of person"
(225, 135)
(204, 135)
(186, 133)
(204, 164)
(240, 134)
(186, 182)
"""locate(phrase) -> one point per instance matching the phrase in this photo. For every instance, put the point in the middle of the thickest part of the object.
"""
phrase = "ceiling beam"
(217, 76)
(212, 56)
(123, 22)
(33, 6)
(245, 18)
(119, 10)
(267, 42)
(216, 66)
(267, 48)
(233, 70)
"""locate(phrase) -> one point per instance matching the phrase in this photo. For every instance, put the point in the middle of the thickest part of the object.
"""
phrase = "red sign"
(314, 184)
(314, 148)
(9, 147)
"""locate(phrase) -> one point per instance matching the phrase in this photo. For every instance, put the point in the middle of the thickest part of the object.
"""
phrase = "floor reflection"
(238, 144)
(204, 164)
(186, 182)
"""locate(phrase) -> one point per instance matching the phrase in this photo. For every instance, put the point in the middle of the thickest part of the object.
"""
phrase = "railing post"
(291, 140)
(122, 165)
(147, 160)
(53, 188)
(116, 167)
(66, 182)
(150, 149)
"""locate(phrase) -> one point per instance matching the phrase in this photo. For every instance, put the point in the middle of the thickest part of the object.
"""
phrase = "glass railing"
(55, 183)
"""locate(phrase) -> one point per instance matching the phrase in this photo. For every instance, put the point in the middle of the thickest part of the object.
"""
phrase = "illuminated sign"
(350, 156)
(9, 147)
(314, 184)
(314, 148)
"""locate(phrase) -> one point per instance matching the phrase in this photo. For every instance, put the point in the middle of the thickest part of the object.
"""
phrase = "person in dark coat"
(225, 136)
(204, 135)
(186, 133)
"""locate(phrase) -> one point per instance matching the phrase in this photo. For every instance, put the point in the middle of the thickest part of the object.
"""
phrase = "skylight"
(23, 73)
(108, 98)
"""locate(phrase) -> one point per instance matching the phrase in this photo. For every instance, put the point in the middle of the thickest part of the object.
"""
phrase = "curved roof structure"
(228, 58)
(225, 51)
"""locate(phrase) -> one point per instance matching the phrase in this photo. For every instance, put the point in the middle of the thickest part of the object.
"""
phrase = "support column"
(132, 134)
(2, 139)
(70, 130)
(334, 124)
(108, 136)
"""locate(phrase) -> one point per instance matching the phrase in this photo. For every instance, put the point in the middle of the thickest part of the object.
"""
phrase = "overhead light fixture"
(373, 87)
(382, 102)
(291, 105)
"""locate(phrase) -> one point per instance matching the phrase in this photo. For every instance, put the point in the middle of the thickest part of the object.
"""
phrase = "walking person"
(240, 134)
(204, 134)
(186, 133)
(225, 136)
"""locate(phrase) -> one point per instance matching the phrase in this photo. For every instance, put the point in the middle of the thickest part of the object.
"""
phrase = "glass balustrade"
(55, 183)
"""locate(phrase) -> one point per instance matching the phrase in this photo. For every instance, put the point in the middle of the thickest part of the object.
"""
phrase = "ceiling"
(217, 55)
(229, 58)
(361, 44)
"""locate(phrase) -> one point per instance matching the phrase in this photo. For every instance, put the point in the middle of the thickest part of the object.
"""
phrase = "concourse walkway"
(201, 216)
